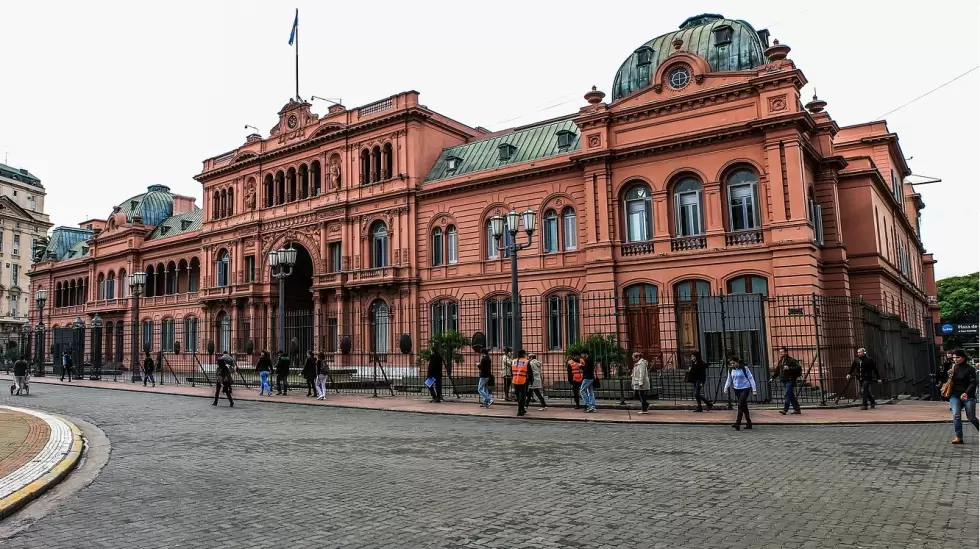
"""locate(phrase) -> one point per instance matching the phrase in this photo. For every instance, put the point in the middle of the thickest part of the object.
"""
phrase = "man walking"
(148, 368)
(522, 376)
(867, 371)
(787, 370)
(67, 366)
(282, 374)
(20, 376)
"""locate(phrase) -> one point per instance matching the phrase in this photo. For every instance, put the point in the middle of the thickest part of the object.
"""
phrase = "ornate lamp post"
(25, 340)
(40, 297)
(510, 222)
(137, 281)
(281, 262)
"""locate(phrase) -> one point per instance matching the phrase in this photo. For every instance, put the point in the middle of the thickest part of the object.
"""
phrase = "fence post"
(816, 331)
(726, 352)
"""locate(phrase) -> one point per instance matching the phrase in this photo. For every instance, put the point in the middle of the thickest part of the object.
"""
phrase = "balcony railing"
(636, 248)
(685, 243)
(744, 238)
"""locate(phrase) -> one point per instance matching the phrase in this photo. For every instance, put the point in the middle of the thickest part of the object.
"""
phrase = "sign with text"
(951, 328)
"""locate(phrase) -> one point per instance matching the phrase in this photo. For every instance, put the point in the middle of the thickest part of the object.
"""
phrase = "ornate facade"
(705, 173)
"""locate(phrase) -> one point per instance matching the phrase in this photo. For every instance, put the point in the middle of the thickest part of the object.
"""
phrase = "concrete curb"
(26, 494)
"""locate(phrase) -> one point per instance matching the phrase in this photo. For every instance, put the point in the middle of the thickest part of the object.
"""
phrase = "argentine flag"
(292, 34)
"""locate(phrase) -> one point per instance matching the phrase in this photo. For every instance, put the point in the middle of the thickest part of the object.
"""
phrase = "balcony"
(687, 243)
(631, 249)
(170, 299)
(744, 238)
(375, 276)
(114, 304)
(331, 280)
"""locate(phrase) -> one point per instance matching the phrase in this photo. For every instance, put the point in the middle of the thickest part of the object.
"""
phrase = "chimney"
(183, 204)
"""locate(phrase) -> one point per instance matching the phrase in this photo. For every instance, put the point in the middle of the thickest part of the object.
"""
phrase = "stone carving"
(333, 173)
(333, 227)
(249, 244)
(777, 103)
(595, 140)
(250, 195)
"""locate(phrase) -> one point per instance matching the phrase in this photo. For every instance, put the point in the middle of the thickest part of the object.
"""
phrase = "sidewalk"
(37, 450)
(899, 412)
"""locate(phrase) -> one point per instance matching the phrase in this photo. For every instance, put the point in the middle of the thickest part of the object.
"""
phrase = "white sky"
(102, 99)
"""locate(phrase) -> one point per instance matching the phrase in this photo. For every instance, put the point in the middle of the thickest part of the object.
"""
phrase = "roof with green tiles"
(521, 145)
(178, 224)
(18, 174)
(63, 240)
(78, 250)
(153, 206)
(741, 49)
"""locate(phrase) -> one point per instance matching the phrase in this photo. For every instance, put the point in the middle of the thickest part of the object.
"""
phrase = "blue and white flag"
(292, 34)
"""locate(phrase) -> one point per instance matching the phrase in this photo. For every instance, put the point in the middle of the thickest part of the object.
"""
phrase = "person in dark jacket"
(223, 383)
(434, 371)
(264, 368)
(20, 376)
(67, 366)
(697, 374)
(964, 395)
(322, 371)
(482, 387)
(867, 371)
(588, 384)
(282, 374)
(148, 368)
(787, 370)
(309, 374)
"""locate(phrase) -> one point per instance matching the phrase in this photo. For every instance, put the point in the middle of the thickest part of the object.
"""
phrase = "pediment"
(9, 208)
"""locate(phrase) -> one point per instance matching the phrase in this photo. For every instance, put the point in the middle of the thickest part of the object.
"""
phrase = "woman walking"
(148, 368)
(641, 381)
(321, 376)
(434, 372)
(264, 368)
(964, 394)
(534, 389)
(740, 377)
(223, 383)
(697, 375)
(309, 373)
(483, 385)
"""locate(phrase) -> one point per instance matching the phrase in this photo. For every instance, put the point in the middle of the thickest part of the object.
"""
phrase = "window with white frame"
(492, 243)
(379, 245)
(688, 216)
(500, 322)
(167, 334)
(223, 267)
(444, 317)
(549, 231)
(638, 211)
(452, 245)
(743, 210)
(437, 249)
(190, 334)
(569, 228)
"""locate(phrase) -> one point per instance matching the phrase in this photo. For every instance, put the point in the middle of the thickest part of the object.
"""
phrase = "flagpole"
(297, 58)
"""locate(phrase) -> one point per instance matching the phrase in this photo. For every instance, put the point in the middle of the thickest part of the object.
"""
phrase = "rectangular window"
(554, 322)
(452, 246)
(222, 273)
(336, 260)
(167, 335)
(13, 306)
(818, 223)
(742, 207)
(1, 241)
(571, 231)
(571, 319)
(147, 335)
(16, 249)
(332, 335)
(250, 268)
(493, 324)
(689, 214)
(14, 275)
(550, 233)
(190, 335)
(637, 228)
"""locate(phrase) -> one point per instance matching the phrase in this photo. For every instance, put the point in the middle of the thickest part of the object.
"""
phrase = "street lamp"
(281, 262)
(25, 340)
(137, 281)
(40, 297)
(510, 222)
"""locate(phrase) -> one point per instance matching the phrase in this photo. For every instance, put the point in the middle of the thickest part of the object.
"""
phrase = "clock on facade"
(291, 122)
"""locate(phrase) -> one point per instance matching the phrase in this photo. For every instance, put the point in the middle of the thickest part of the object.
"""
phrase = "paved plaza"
(182, 473)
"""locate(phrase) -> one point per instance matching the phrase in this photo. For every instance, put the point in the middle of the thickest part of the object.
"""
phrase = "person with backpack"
(321, 376)
(483, 384)
(963, 393)
(697, 375)
(264, 368)
(223, 383)
(309, 373)
(20, 376)
(788, 370)
(282, 374)
(67, 366)
(148, 368)
(741, 379)
(575, 366)
(641, 381)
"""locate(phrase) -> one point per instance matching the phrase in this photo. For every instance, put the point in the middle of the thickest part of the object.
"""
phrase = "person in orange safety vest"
(521, 377)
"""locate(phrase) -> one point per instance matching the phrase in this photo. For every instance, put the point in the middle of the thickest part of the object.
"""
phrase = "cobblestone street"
(185, 474)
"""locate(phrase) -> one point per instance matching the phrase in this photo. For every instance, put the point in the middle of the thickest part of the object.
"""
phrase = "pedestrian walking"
(483, 385)
(321, 376)
(741, 379)
(506, 362)
(223, 383)
(641, 381)
(697, 375)
(867, 372)
(434, 372)
(67, 366)
(575, 366)
(20, 377)
(587, 389)
(522, 377)
(230, 362)
(148, 368)
(536, 384)
(264, 368)
(282, 374)
(309, 373)
(963, 393)
(788, 370)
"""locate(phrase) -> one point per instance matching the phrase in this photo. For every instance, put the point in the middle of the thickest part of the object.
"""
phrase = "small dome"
(726, 45)
(152, 207)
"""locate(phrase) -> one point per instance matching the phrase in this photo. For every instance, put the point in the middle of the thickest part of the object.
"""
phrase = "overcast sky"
(101, 99)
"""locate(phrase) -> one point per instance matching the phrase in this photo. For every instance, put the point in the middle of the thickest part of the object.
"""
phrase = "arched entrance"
(299, 302)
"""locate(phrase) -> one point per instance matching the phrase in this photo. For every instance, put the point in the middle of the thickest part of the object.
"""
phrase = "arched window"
(743, 204)
(110, 285)
(365, 167)
(691, 290)
(280, 187)
(161, 280)
(452, 245)
(291, 184)
(387, 172)
(150, 281)
(638, 211)
(222, 268)
(304, 181)
(147, 334)
(492, 243)
(549, 231)
(563, 323)
(224, 332)
(194, 275)
(190, 334)
(315, 175)
(437, 249)
(57, 295)
(500, 322)
(215, 205)
(223, 209)
(270, 191)
(380, 327)
(171, 281)
(748, 285)
(101, 286)
(379, 245)
(445, 317)
(569, 229)
(688, 212)
(376, 164)
(640, 294)
(123, 285)
(167, 335)
(230, 211)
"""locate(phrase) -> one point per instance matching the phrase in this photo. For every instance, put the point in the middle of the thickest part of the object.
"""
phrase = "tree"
(604, 349)
(449, 344)
(959, 302)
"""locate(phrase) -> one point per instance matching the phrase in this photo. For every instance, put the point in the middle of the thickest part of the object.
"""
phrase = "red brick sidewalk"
(900, 412)
(22, 436)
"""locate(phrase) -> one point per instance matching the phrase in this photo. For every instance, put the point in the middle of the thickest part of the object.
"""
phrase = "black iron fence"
(382, 349)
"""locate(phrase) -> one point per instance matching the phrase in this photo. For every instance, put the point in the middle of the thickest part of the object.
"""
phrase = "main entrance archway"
(298, 301)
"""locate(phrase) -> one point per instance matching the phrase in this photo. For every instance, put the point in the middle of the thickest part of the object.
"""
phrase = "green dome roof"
(153, 206)
(743, 51)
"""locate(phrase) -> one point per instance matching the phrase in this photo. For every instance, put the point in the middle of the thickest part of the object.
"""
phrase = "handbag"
(491, 382)
(947, 388)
